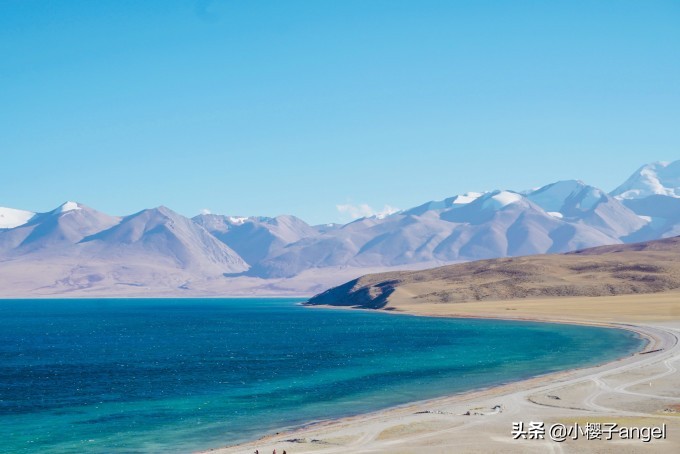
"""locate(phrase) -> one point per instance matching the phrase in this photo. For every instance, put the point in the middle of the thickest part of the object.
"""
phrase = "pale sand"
(641, 390)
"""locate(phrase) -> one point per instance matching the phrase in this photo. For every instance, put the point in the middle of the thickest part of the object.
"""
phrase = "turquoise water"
(180, 375)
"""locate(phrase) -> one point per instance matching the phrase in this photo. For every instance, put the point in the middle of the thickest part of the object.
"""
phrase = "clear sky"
(272, 107)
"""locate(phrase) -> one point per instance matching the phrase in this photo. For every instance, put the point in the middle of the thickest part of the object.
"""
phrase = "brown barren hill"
(621, 269)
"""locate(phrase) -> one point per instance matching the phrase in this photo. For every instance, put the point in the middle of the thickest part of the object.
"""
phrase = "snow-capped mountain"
(55, 231)
(74, 248)
(10, 217)
(657, 178)
(446, 203)
(653, 193)
(579, 203)
(255, 238)
(495, 224)
(166, 236)
(504, 223)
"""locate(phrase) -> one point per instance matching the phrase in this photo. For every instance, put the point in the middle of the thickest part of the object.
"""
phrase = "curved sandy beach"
(642, 390)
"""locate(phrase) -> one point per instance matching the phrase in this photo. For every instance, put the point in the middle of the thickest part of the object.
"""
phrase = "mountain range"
(75, 250)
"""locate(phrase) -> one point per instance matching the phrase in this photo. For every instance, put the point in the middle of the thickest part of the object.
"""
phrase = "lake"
(176, 375)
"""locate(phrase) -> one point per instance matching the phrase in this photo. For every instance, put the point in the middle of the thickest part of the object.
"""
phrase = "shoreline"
(123, 297)
(660, 343)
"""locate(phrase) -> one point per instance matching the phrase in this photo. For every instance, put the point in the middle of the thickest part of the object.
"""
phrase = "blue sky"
(264, 108)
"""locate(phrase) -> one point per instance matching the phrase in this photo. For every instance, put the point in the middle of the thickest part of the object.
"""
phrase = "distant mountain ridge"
(77, 250)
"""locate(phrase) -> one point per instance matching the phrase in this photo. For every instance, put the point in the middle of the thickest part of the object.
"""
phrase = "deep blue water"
(180, 375)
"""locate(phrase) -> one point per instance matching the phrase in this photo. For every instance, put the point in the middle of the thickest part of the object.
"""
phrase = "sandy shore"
(642, 390)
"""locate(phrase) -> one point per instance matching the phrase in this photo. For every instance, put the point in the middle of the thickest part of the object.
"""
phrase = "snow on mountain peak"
(66, 207)
(456, 201)
(10, 217)
(552, 197)
(657, 178)
(501, 199)
(560, 196)
(237, 220)
(466, 198)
